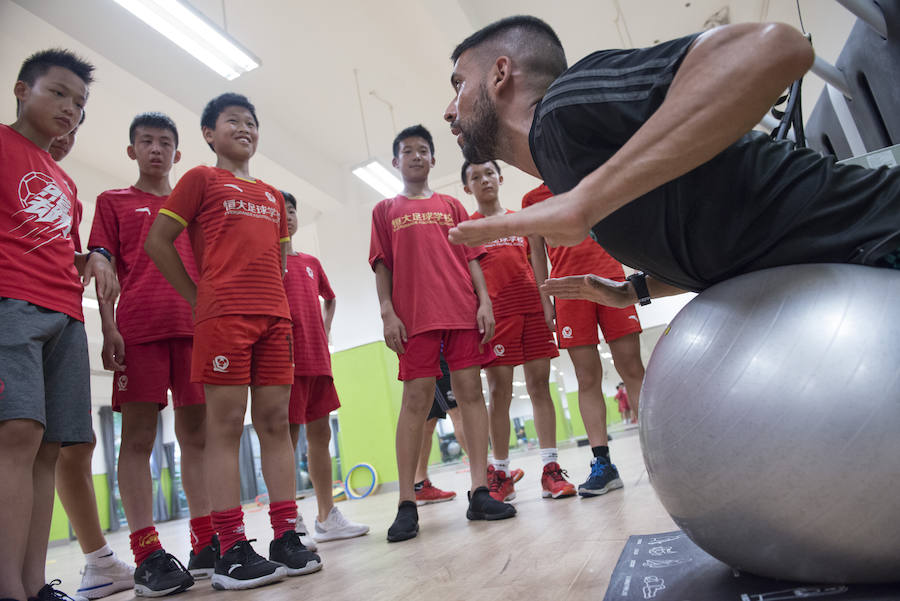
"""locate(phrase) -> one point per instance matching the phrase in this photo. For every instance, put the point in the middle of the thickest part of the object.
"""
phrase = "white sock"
(103, 555)
(550, 455)
(502, 465)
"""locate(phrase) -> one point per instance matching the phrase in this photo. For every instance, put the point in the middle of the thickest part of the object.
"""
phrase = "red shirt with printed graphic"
(38, 214)
(304, 282)
(149, 308)
(587, 257)
(236, 226)
(509, 277)
(432, 287)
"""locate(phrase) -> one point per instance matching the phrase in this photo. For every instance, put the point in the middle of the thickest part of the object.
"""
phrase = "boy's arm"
(604, 291)
(92, 264)
(394, 330)
(485, 314)
(538, 260)
(328, 314)
(113, 353)
(284, 251)
(160, 246)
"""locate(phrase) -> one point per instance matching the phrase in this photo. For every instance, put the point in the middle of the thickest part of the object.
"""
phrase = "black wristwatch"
(639, 283)
(101, 251)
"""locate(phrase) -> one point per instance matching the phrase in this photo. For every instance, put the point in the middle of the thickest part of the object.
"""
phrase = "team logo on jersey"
(634, 317)
(236, 187)
(567, 332)
(122, 383)
(310, 272)
(499, 350)
(143, 210)
(45, 209)
(269, 196)
(220, 363)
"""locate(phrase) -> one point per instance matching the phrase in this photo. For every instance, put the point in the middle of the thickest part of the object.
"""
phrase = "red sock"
(201, 533)
(283, 516)
(144, 542)
(229, 524)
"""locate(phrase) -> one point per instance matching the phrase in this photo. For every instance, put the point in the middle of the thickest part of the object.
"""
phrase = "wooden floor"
(552, 550)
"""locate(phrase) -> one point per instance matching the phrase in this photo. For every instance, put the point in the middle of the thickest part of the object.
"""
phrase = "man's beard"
(480, 136)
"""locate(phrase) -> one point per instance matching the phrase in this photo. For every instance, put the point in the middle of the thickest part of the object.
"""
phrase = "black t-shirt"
(757, 204)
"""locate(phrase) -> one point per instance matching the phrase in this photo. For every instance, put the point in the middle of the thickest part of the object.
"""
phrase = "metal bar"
(869, 12)
(832, 75)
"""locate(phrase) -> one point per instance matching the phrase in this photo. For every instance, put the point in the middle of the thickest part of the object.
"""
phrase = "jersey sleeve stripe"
(174, 216)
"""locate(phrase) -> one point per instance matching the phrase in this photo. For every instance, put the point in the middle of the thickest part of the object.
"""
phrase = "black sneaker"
(406, 524)
(48, 592)
(241, 568)
(293, 555)
(202, 565)
(482, 506)
(161, 574)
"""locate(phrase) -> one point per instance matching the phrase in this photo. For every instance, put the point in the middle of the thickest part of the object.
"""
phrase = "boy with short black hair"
(44, 370)
(147, 342)
(433, 297)
(313, 395)
(242, 335)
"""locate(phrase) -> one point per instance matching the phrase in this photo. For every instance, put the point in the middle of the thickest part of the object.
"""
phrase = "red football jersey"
(236, 226)
(587, 257)
(149, 308)
(304, 282)
(432, 285)
(38, 214)
(509, 277)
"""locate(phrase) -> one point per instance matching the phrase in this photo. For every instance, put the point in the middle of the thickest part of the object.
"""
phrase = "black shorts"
(444, 400)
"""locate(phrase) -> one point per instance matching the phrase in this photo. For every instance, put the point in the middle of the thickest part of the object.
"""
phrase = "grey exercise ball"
(770, 422)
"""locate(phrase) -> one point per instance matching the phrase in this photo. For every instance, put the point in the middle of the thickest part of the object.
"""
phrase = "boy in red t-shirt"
(576, 331)
(147, 341)
(433, 299)
(242, 335)
(523, 336)
(44, 371)
(313, 395)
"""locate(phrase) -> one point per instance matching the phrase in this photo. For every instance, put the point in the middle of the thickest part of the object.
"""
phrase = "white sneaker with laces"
(305, 538)
(336, 526)
(101, 580)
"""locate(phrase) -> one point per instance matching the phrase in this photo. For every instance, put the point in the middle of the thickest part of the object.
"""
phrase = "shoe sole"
(223, 582)
(98, 591)
(403, 536)
(202, 573)
(142, 591)
(327, 536)
(490, 517)
(309, 568)
(559, 495)
(430, 501)
(612, 485)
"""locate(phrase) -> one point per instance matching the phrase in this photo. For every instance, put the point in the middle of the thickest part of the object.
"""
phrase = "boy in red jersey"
(313, 396)
(44, 371)
(242, 335)
(433, 298)
(523, 336)
(576, 331)
(147, 340)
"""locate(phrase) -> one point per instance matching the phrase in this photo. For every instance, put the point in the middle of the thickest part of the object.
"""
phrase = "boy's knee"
(20, 437)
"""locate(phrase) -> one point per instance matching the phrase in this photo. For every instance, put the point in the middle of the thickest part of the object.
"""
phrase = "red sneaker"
(431, 494)
(516, 474)
(500, 485)
(554, 483)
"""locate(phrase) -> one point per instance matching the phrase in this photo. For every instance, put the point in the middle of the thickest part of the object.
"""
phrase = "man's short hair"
(289, 198)
(40, 62)
(152, 119)
(413, 131)
(538, 46)
(466, 164)
(217, 105)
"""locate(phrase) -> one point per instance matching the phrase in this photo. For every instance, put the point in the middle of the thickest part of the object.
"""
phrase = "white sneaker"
(336, 526)
(105, 579)
(305, 538)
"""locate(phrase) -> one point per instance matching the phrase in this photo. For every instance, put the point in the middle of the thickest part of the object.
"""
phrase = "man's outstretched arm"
(727, 81)
(604, 291)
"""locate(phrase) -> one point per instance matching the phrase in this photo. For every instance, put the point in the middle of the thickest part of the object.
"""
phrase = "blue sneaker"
(604, 478)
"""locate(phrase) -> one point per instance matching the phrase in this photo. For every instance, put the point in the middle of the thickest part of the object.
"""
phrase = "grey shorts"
(45, 374)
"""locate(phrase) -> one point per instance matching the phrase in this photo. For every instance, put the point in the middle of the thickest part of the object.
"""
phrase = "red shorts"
(521, 338)
(152, 369)
(577, 321)
(460, 348)
(623, 406)
(241, 350)
(312, 398)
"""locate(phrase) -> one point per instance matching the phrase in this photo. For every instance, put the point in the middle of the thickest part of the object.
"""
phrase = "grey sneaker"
(336, 526)
(301, 529)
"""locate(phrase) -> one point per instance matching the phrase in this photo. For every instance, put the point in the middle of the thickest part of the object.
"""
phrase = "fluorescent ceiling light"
(186, 27)
(374, 174)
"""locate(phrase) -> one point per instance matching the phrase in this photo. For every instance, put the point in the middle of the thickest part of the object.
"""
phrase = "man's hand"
(394, 333)
(113, 354)
(562, 220)
(549, 312)
(486, 323)
(593, 288)
(98, 267)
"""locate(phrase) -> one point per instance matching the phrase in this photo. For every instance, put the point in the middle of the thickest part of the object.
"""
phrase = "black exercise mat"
(670, 567)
